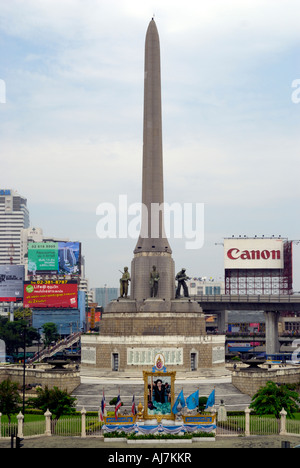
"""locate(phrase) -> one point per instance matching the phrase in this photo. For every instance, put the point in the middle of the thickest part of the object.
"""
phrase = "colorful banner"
(51, 293)
(137, 428)
(11, 282)
(61, 258)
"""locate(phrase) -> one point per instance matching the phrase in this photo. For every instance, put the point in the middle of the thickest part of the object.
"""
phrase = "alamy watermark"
(296, 94)
(2, 92)
(181, 221)
(296, 353)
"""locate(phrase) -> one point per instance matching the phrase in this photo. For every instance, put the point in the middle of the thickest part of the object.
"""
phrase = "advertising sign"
(56, 293)
(56, 258)
(11, 282)
(253, 253)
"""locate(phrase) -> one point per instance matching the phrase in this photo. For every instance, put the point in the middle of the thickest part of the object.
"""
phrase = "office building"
(14, 216)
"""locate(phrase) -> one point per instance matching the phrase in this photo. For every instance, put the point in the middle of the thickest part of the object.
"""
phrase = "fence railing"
(231, 426)
(85, 426)
(264, 426)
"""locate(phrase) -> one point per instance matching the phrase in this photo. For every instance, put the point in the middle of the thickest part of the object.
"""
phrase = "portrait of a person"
(159, 398)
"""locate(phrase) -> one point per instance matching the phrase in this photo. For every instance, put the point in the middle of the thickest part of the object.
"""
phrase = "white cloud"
(71, 129)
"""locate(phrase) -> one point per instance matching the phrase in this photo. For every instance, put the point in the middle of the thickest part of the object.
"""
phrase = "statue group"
(181, 279)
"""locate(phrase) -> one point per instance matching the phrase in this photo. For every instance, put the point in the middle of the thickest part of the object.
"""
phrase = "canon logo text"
(235, 254)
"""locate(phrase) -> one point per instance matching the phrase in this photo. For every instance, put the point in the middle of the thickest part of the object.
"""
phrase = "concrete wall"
(101, 348)
(68, 380)
(249, 382)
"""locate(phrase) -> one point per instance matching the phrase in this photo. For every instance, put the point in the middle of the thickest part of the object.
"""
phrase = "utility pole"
(24, 367)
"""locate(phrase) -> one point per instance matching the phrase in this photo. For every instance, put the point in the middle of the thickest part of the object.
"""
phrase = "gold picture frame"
(159, 395)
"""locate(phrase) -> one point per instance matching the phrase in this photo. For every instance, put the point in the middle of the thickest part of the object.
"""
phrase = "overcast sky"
(71, 126)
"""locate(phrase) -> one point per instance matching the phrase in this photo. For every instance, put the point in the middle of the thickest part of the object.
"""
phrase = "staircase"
(58, 347)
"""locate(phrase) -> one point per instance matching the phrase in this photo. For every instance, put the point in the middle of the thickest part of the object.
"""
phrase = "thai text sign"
(51, 293)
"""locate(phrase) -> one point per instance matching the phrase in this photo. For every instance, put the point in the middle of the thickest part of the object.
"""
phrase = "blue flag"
(210, 400)
(192, 401)
(180, 400)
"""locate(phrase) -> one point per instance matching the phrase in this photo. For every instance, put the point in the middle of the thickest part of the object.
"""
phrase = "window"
(115, 362)
(193, 361)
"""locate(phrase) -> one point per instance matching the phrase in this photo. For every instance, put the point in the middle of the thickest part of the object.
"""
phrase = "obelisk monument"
(152, 249)
(134, 329)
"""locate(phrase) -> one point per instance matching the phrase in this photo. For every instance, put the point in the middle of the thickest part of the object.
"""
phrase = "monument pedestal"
(133, 332)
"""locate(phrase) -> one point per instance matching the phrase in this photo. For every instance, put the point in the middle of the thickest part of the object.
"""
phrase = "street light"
(24, 367)
(39, 343)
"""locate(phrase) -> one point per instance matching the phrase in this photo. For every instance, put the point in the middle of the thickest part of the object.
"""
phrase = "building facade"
(105, 295)
(14, 216)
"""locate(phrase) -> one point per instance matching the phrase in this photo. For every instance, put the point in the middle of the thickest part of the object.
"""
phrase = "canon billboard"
(253, 254)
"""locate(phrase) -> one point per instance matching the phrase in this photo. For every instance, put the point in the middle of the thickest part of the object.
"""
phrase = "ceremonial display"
(167, 415)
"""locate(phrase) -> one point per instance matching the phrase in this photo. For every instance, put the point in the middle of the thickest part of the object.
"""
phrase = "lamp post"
(24, 367)
(39, 343)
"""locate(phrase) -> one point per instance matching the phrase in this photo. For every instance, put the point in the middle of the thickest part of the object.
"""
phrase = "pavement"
(89, 392)
(269, 442)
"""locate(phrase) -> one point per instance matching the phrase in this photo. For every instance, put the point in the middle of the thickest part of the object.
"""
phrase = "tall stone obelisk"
(133, 330)
(152, 248)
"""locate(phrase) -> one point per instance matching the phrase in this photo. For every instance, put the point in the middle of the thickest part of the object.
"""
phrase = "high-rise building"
(105, 295)
(14, 216)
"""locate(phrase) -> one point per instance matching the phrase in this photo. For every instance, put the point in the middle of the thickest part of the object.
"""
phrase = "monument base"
(133, 332)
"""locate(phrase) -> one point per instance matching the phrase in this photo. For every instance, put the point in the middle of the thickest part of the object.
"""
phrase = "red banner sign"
(40, 294)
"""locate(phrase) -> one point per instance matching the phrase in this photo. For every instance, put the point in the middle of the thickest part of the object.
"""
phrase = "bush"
(113, 402)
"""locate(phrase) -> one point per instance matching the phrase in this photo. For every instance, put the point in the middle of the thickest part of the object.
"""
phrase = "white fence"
(85, 426)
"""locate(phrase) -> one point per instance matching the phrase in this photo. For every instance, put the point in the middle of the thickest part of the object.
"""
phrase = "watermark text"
(2, 92)
(181, 221)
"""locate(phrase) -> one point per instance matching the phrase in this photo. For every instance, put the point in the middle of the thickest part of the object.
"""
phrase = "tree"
(202, 404)
(50, 333)
(271, 398)
(10, 399)
(23, 314)
(58, 402)
(12, 333)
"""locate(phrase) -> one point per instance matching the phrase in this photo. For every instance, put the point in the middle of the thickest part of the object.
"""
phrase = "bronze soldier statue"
(181, 277)
(154, 279)
(124, 282)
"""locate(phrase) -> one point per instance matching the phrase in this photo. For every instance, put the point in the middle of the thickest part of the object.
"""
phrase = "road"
(91, 442)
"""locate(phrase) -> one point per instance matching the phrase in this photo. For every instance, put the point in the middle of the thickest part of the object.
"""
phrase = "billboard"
(67, 320)
(253, 253)
(50, 293)
(54, 258)
(11, 282)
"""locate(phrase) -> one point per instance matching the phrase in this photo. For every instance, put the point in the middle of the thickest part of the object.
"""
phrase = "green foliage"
(10, 399)
(202, 404)
(23, 314)
(12, 333)
(50, 333)
(271, 398)
(94, 426)
(59, 402)
(113, 402)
